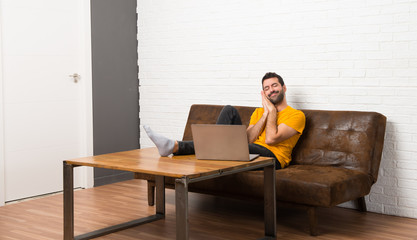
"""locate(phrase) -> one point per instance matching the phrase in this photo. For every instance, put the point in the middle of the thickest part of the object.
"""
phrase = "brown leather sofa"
(336, 160)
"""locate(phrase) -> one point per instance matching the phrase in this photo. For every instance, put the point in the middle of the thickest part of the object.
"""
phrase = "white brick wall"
(333, 54)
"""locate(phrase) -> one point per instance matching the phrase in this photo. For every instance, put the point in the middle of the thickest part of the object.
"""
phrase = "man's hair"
(273, 75)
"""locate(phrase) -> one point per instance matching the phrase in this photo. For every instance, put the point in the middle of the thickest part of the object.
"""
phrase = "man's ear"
(284, 88)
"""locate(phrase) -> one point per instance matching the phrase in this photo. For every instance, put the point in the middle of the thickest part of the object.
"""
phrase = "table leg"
(181, 208)
(270, 202)
(68, 201)
(160, 194)
(69, 209)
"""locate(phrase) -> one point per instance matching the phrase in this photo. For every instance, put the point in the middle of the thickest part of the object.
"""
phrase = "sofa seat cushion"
(321, 185)
(303, 184)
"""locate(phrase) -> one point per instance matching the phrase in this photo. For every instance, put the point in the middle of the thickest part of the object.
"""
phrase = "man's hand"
(268, 106)
(253, 131)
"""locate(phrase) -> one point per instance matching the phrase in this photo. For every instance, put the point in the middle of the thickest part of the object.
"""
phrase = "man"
(273, 130)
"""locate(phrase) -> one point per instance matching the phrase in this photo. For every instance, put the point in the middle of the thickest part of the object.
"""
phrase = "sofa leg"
(151, 193)
(361, 204)
(312, 218)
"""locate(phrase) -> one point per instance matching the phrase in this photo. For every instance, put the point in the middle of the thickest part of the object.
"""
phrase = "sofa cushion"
(303, 184)
(321, 185)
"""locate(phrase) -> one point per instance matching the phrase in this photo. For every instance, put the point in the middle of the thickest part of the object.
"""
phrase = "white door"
(46, 113)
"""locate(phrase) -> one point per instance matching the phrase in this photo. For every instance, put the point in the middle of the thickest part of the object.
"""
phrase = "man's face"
(273, 90)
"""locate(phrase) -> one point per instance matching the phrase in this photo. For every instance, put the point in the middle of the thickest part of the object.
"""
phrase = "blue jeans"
(229, 116)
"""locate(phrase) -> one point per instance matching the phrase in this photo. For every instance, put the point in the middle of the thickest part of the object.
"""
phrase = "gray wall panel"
(115, 82)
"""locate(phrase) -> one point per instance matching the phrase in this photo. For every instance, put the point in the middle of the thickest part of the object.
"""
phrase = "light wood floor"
(210, 218)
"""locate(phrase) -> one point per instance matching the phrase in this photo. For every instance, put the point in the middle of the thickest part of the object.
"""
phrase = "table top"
(148, 160)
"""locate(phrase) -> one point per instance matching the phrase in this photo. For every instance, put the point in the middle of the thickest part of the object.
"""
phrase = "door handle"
(76, 77)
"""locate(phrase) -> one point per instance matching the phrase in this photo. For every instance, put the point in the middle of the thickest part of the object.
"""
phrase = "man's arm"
(275, 134)
(253, 131)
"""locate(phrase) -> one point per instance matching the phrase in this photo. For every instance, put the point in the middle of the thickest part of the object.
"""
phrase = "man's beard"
(277, 99)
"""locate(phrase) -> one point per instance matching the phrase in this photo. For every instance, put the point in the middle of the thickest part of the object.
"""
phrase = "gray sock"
(165, 145)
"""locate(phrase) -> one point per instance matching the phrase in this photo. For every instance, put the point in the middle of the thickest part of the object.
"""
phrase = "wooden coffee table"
(186, 169)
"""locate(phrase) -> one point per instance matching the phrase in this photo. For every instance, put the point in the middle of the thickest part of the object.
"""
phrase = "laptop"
(221, 142)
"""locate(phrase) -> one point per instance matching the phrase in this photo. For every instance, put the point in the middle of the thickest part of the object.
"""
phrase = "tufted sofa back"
(348, 139)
